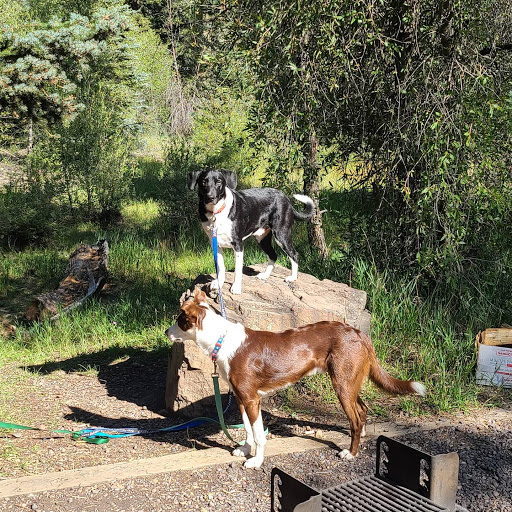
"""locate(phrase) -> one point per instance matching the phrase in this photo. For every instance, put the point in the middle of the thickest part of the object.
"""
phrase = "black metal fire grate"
(372, 494)
(405, 480)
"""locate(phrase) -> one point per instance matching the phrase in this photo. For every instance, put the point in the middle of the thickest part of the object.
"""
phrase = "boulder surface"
(273, 305)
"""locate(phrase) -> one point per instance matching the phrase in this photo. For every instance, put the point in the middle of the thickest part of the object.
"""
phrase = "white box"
(494, 364)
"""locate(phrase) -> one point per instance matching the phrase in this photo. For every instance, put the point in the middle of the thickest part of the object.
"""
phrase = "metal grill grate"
(372, 494)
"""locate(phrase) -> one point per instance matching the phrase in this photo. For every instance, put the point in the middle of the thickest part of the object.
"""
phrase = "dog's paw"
(290, 279)
(262, 276)
(242, 451)
(345, 454)
(236, 288)
(253, 463)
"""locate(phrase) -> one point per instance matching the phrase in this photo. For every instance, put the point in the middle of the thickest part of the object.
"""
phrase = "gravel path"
(484, 445)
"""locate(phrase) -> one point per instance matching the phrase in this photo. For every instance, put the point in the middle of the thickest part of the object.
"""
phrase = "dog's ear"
(199, 296)
(192, 179)
(231, 179)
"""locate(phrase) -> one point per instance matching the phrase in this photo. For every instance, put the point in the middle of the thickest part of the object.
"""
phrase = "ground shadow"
(200, 435)
(130, 374)
(136, 376)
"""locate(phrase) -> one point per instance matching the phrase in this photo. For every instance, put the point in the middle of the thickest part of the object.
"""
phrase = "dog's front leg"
(216, 284)
(254, 414)
(245, 450)
(236, 287)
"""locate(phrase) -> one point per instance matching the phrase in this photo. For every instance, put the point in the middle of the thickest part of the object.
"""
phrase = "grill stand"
(405, 479)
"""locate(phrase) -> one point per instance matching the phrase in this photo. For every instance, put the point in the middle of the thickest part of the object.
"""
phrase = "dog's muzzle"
(174, 333)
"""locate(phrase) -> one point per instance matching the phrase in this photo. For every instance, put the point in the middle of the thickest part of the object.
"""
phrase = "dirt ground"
(124, 393)
(130, 393)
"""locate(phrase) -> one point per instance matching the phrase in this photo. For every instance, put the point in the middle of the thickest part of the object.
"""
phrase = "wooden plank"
(497, 336)
(146, 467)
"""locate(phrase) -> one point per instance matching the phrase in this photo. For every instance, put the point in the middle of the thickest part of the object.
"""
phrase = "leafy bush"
(96, 153)
(26, 217)
(219, 137)
(420, 92)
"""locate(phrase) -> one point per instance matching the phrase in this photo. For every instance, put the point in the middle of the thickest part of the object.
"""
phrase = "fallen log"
(85, 274)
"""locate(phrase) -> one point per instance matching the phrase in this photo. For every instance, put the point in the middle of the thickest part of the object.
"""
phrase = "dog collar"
(220, 209)
(217, 347)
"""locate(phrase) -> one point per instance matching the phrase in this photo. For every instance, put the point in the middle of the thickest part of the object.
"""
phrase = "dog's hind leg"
(245, 450)
(347, 391)
(362, 414)
(357, 426)
(284, 239)
(265, 242)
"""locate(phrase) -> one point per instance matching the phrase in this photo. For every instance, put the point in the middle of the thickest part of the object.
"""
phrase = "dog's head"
(211, 183)
(190, 318)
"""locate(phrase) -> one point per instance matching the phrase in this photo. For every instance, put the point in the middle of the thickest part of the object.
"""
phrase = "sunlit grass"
(140, 214)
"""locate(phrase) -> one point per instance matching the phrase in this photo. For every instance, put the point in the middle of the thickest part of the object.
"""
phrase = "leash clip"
(213, 226)
(215, 373)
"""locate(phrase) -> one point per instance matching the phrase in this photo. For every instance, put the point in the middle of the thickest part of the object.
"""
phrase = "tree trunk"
(312, 189)
(30, 146)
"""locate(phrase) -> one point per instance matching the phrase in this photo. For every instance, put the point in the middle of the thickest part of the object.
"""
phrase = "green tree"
(40, 70)
(418, 91)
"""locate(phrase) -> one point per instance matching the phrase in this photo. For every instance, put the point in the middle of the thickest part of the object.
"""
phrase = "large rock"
(272, 305)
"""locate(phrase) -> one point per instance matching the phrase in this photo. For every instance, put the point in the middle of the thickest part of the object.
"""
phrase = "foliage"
(82, 158)
(44, 10)
(40, 70)
(26, 217)
(96, 154)
(218, 137)
(419, 91)
(12, 13)
(152, 62)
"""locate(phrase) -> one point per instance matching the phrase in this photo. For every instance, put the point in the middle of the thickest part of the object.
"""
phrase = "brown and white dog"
(258, 362)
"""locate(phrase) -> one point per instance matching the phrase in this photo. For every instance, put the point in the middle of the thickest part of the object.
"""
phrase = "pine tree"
(41, 69)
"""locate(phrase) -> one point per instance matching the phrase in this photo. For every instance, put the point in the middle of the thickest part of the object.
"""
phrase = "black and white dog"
(257, 212)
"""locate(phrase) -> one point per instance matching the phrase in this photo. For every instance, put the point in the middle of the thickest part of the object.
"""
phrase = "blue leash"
(112, 433)
(215, 249)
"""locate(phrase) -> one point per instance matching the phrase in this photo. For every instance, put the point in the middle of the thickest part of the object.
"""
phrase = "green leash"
(75, 435)
(218, 404)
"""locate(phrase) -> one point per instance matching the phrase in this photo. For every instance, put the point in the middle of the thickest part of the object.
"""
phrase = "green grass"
(159, 248)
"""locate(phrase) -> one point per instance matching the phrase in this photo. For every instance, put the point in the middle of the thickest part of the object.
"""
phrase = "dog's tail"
(388, 383)
(308, 210)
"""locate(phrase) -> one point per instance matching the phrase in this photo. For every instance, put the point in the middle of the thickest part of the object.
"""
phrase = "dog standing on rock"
(255, 363)
(237, 215)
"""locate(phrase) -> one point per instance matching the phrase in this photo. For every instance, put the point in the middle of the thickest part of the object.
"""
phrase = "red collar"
(219, 210)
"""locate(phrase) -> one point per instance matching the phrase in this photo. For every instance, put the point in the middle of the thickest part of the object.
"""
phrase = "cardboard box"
(494, 363)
